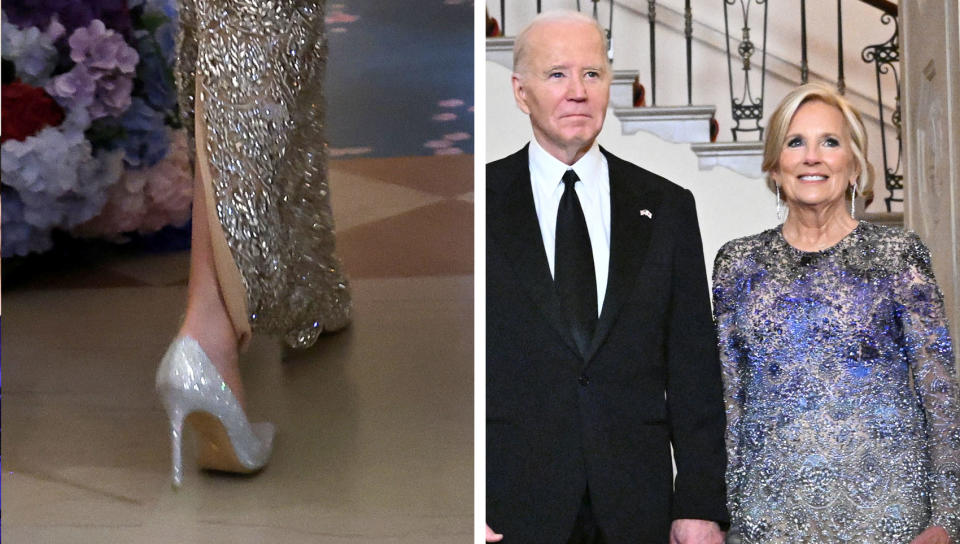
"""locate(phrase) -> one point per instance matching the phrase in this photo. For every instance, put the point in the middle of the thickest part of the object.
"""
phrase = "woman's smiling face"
(817, 165)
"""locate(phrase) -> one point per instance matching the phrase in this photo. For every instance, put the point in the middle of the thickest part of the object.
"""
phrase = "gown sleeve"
(927, 345)
(730, 348)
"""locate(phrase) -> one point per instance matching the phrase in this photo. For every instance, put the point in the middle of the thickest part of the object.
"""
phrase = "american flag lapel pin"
(647, 213)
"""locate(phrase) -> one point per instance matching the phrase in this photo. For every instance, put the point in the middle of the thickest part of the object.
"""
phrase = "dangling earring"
(779, 204)
(853, 199)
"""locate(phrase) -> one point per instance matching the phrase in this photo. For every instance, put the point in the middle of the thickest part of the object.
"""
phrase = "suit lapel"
(629, 239)
(519, 234)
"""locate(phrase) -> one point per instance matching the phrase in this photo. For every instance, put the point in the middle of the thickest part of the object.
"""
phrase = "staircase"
(674, 140)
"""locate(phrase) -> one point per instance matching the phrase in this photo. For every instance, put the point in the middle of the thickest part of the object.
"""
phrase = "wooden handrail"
(886, 6)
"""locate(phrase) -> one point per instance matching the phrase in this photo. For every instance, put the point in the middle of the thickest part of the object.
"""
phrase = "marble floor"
(375, 422)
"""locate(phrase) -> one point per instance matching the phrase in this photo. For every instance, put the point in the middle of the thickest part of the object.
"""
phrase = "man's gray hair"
(520, 45)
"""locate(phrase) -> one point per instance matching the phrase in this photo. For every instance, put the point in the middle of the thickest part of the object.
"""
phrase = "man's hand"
(933, 535)
(697, 531)
(492, 536)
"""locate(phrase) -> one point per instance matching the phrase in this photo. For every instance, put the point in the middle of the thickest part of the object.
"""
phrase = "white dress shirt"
(546, 173)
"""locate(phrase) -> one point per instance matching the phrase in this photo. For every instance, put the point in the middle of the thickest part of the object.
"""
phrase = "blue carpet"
(399, 77)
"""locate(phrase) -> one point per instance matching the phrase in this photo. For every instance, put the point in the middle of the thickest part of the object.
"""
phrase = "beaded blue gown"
(841, 390)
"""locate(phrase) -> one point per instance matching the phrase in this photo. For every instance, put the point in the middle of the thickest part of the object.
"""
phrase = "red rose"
(26, 111)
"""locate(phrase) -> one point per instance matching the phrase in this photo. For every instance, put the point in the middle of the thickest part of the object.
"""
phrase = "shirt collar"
(589, 167)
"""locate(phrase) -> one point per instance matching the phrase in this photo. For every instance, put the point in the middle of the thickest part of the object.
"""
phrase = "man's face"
(564, 85)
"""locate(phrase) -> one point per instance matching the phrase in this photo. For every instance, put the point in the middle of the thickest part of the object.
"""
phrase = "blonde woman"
(841, 392)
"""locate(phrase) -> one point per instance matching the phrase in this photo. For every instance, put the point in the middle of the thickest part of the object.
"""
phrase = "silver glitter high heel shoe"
(192, 391)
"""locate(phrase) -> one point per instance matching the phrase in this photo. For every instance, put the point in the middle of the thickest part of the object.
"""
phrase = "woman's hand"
(933, 535)
(695, 531)
(494, 537)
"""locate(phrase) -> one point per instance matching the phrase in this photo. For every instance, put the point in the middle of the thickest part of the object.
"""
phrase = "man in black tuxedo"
(601, 352)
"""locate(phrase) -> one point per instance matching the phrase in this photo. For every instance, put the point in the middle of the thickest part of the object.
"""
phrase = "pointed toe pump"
(192, 391)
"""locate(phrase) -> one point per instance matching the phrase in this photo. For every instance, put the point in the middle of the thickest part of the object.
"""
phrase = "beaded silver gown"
(253, 70)
(841, 392)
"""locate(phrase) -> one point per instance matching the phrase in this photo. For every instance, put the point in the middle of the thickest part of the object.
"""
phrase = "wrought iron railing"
(747, 107)
(746, 103)
(885, 58)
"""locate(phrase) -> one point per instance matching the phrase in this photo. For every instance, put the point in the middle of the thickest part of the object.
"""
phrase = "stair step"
(621, 89)
(500, 50)
(741, 157)
(679, 124)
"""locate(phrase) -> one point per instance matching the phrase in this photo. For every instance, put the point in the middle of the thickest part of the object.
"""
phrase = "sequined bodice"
(841, 391)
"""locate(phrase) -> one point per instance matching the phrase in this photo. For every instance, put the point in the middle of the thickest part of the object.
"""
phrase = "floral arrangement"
(91, 142)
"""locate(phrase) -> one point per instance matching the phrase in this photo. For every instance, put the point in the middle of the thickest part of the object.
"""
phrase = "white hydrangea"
(31, 50)
(57, 178)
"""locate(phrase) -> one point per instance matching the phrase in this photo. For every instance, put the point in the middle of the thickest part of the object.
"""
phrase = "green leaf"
(152, 20)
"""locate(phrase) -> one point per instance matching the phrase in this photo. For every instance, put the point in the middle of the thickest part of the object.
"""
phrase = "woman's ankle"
(219, 342)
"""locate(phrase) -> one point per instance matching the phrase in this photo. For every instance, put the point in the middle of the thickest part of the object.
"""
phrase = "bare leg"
(207, 320)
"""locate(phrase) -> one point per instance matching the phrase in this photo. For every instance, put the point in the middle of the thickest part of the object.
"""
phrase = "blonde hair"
(520, 44)
(779, 123)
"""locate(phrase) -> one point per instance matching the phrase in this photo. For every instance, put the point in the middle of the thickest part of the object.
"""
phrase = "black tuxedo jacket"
(559, 423)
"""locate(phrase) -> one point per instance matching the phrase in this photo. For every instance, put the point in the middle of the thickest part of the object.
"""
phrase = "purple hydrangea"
(113, 96)
(74, 89)
(103, 58)
(72, 14)
(102, 49)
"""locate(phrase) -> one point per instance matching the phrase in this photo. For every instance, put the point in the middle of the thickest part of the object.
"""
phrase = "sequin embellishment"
(262, 65)
(843, 409)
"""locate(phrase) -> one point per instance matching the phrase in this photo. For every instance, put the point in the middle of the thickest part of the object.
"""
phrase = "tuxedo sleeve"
(694, 390)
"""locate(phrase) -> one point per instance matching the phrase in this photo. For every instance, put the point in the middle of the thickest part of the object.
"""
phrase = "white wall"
(862, 27)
